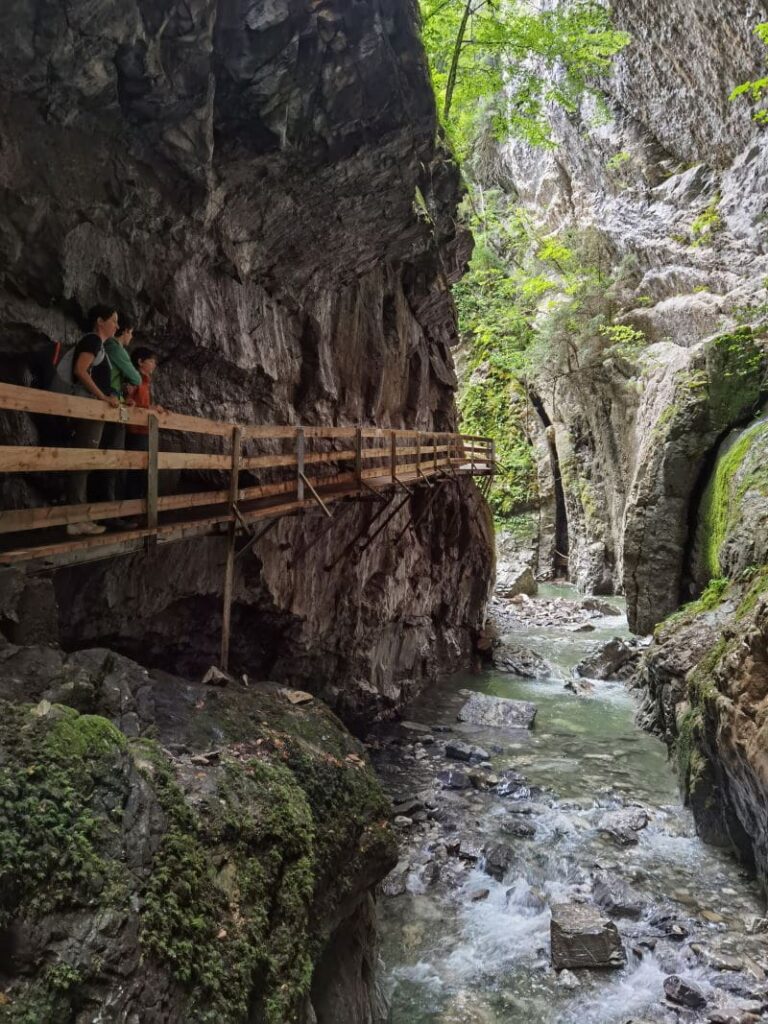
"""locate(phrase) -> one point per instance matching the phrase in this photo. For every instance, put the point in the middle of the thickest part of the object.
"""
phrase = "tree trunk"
(452, 74)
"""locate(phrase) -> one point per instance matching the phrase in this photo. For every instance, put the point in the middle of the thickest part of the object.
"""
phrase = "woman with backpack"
(86, 373)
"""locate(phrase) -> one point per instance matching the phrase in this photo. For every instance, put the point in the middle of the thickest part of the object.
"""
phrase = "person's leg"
(87, 434)
(137, 478)
(111, 480)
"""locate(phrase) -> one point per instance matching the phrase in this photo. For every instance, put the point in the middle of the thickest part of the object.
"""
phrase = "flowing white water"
(450, 959)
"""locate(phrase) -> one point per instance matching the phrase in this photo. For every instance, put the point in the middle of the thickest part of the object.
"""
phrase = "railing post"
(359, 456)
(153, 435)
(393, 455)
(229, 571)
(300, 449)
(418, 454)
(434, 452)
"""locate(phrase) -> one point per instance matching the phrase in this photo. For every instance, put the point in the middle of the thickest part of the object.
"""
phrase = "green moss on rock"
(726, 489)
(248, 862)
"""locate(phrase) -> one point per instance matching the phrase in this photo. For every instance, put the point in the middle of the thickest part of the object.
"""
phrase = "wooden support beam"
(229, 568)
(385, 524)
(152, 479)
(316, 496)
(256, 537)
(359, 456)
(300, 452)
(393, 456)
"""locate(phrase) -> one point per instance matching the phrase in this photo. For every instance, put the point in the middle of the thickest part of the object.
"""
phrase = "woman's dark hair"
(139, 354)
(99, 312)
(126, 324)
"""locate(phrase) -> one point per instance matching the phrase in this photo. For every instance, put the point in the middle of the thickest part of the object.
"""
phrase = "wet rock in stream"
(582, 937)
(622, 827)
(498, 712)
(683, 992)
(497, 860)
(615, 659)
(616, 897)
(507, 655)
(458, 751)
(452, 778)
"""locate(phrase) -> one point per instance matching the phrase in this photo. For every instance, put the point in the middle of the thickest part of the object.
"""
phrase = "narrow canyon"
(407, 662)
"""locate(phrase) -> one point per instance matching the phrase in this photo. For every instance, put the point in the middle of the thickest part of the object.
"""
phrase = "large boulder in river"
(509, 656)
(499, 712)
(514, 579)
(582, 937)
(616, 659)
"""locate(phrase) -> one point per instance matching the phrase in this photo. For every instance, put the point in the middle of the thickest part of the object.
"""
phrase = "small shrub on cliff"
(756, 90)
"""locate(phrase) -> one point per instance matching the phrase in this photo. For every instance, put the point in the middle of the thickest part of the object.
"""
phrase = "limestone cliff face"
(262, 187)
(675, 187)
(704, 681)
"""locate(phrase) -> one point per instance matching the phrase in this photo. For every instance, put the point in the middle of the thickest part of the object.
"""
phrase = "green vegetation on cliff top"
(500, 69)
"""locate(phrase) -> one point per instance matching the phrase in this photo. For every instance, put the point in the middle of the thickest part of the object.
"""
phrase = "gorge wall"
(263, 188)
(661, 445)
(670, 189)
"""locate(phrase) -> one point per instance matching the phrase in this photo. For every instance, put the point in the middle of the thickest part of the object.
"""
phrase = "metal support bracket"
(377, 494)
(256, 537)
(384, 525)
(316, 496)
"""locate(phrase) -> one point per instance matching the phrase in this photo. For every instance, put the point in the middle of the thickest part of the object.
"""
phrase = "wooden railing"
(263, 471)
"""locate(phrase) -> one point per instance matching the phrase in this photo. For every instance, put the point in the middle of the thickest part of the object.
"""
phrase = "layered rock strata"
(264, 189)
(669, 196)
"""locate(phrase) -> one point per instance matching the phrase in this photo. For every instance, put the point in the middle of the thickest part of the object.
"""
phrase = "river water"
(456, 955)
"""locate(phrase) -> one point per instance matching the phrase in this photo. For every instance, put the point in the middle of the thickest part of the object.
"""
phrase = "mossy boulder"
(196, 872)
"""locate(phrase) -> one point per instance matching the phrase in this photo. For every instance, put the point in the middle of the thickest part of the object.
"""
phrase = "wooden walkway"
(253, 474)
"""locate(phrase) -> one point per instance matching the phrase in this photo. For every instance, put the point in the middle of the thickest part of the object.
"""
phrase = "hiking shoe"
(123, 524)
(84, 529)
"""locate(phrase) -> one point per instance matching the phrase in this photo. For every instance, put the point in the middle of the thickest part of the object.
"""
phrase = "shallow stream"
(456, 954)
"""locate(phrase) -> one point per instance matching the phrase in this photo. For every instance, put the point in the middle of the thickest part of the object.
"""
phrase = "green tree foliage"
(499, 66)
(504, 60)
(530, 306)
(757, 90)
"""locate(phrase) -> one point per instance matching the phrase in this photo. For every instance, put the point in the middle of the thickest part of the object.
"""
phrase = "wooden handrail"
(351, 462)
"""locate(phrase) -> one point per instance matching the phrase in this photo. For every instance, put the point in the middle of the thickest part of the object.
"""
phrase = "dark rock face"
(195, 876)
(261, 187)
(364, 636)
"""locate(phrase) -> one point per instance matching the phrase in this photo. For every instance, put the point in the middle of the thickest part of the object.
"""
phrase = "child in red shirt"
(145, 361)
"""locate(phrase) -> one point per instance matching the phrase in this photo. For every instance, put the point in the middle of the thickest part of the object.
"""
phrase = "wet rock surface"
(582, 937)
(498, 712)
(509, 656)
(617, 659)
